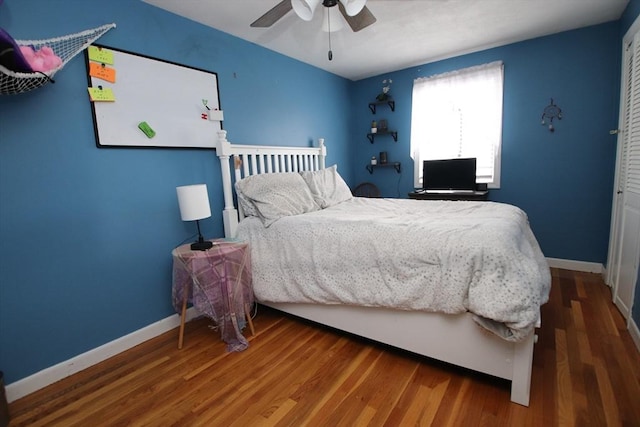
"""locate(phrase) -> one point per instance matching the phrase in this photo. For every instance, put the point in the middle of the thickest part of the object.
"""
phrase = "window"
(459, 114)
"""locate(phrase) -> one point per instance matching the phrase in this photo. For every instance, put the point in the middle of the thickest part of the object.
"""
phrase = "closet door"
(624, 250)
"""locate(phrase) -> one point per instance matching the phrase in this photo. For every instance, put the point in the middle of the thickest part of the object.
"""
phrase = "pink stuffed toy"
(42, 60)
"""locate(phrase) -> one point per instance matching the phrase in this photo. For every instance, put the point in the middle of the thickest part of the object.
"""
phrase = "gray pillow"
(275, 195)
(327, 186)
(247, 207)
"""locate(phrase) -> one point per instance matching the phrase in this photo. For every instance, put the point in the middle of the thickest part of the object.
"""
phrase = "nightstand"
(218, 284)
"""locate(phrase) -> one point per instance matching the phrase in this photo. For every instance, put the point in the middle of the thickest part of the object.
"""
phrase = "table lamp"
(194, 206)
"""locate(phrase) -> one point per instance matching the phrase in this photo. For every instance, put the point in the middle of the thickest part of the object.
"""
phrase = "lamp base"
(201, 245)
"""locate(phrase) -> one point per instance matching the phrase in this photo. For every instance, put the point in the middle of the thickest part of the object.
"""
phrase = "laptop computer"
(450, 176)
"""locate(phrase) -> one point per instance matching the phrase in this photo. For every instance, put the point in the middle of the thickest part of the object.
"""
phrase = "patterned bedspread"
(442, 256)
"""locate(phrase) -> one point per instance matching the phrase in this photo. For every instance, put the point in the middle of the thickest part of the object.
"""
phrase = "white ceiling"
(407, 32)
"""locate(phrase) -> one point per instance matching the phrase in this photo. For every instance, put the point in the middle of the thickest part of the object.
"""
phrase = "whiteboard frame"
(175, 112)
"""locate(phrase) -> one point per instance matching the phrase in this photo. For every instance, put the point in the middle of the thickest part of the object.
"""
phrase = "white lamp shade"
(337, 21)
(305, 8)
(194, 202)
(353, 7)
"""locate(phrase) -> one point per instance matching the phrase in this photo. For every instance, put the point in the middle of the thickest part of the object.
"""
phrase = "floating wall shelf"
(393, 133)
(395, 165)
(390, 102)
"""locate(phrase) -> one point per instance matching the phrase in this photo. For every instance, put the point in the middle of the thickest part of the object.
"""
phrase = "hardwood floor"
(586, 373)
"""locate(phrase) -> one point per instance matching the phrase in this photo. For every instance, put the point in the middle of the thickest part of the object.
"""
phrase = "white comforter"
(443, 256)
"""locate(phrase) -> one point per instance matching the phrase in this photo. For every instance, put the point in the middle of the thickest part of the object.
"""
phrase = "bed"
(433, 278)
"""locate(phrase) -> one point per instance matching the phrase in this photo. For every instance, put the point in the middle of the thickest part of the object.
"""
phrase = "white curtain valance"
(461, 72)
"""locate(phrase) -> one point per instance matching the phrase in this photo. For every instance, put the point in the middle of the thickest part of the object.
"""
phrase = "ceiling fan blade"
(359, 21)
(273, 15)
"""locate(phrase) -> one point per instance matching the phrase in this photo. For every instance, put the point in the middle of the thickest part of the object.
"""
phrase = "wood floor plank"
(626, 388)
(611, 319)
(413, 415)
(575, 364)
(550, 398)
(445, 412)
(593, 413)
(564, 389)
(609, 404)
(586, 371)
(580, 287)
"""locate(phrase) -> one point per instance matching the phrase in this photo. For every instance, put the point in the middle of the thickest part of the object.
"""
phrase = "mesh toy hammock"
(66, 47)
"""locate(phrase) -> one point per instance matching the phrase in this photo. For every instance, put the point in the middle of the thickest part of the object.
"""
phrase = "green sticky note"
(100, 54)
(144, 127)
(100, 94)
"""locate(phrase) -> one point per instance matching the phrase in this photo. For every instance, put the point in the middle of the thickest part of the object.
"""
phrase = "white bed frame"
(455, 339)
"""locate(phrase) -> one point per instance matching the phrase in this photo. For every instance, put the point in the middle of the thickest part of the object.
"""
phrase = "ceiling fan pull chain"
(329, 27)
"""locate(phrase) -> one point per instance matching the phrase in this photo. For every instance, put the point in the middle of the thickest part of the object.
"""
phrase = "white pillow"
(275, 195)
(327, 186)
(247, 207)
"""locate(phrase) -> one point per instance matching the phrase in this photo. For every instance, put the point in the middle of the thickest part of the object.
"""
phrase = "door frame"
(617, 211)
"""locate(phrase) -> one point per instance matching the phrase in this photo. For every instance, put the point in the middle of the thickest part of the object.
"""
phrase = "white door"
(624, 250)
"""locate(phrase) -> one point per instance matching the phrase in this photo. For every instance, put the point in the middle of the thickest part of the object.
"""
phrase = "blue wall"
(628, 16)
(86, 233)
(563, 180)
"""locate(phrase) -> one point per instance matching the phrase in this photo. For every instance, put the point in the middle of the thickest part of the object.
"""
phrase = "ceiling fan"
(354, 12)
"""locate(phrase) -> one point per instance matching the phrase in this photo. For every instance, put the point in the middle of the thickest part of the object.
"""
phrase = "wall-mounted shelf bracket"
(390, 102)
(395, 165)
(393, 133)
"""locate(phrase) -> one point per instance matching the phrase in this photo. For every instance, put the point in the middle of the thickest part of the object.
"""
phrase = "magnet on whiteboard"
(146, 129)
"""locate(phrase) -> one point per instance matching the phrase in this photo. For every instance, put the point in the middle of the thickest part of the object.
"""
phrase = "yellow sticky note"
(100, 54)
(99, 94)
(103, 72)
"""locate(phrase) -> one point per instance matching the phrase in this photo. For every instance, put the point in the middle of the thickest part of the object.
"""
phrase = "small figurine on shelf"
(374, 127)
(383, 157)
(374, 161)
(386, 87)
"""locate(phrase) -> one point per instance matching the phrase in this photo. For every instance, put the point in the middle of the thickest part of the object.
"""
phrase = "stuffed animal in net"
(26, 59)
(43, 59)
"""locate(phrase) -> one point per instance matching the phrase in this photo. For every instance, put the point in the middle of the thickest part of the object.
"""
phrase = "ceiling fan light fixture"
(305, 8)
(353, 7)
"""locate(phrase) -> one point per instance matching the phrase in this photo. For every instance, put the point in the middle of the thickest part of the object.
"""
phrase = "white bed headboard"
(256, 159)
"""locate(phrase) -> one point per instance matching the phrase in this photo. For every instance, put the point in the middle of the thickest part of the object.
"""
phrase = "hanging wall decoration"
(29, 64)
(551, 111)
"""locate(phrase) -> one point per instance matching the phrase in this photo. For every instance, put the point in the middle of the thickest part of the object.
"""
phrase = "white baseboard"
(568, 264)
(82, 361)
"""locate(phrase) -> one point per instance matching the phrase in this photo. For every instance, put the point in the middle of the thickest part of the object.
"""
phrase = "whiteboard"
(168, 97)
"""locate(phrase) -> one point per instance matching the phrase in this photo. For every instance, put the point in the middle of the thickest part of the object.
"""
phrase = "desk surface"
(475, 195)
(221, 282)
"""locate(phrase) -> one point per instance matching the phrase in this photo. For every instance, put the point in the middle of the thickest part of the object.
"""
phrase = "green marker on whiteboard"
(144, 127)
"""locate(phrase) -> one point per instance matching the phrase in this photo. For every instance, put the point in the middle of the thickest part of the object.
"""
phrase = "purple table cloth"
(220, 279)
